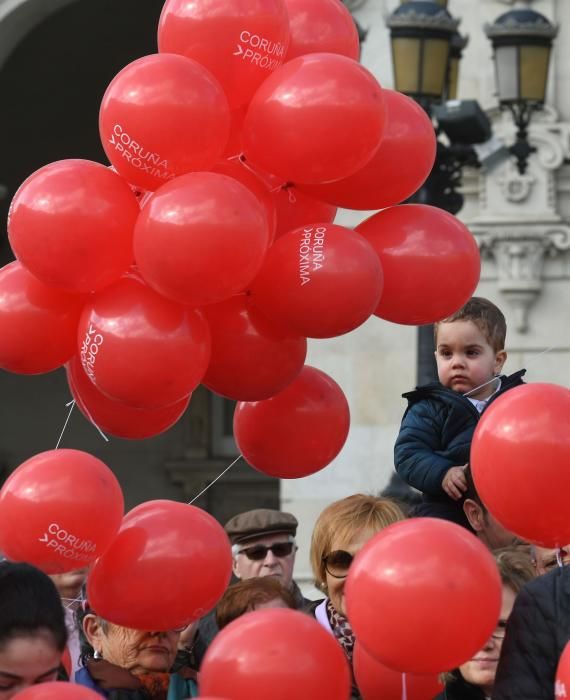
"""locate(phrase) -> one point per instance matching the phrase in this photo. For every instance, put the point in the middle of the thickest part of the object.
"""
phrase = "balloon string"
(404, 687)
(530, 362)
(260, 176)
(90, 417)
(265, 181)
(216, 479)
(68, 602)
(72, 404)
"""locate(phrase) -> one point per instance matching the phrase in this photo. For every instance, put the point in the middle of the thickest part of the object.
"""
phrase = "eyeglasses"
(259, 551)
(337, 563)
(500, 630)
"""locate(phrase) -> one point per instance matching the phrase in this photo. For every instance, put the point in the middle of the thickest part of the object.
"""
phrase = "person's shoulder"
(512, 380)
(311, 606)
(422, 392)
(546, 589)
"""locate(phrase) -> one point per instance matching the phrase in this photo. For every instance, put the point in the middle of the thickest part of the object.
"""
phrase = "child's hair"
(486, 316)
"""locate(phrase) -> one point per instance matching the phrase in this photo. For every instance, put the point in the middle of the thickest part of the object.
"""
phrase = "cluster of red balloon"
(146, 568)
(206, 252)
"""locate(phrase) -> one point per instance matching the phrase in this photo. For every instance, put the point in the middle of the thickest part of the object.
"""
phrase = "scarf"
(341, 629)
(345, 637)
(109, 677)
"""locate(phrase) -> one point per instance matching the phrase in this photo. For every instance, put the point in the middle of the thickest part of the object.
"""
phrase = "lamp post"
(522, 43)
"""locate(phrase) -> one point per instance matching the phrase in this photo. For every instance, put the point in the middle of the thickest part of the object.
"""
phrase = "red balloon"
(201, 238)
(140, 348)
(118, 418)
(51, 510)
(252, 358)
(298, 431)
(562, 685)
(58, 691)
(168, 566)
(258, 184)
(71, 225)
(399, 167)
(321, 26)
(522, 442)
(240, 41)
(296, 124)
(163, 116)
(374, 680)
(430, 261)
(301, 661)
(234, 145)
(296, 209)
(322, 281)
(425, 579)
(38, 324)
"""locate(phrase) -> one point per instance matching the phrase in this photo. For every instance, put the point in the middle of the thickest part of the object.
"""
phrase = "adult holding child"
(432, 448)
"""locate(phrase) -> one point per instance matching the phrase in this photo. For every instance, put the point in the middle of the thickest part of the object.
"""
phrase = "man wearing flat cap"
(263, 544)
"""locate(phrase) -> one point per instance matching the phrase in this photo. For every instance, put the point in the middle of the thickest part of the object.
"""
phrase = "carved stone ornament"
(520, 255)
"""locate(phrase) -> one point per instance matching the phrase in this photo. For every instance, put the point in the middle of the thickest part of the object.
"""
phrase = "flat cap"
(260, 522)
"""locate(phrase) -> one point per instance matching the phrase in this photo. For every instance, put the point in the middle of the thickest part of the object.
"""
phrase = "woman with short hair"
(341, 530)
(121, 663)
(32, 629)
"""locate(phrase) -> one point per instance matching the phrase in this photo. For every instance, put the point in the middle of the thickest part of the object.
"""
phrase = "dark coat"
(537, 632)
(435, 435)
(460, 689)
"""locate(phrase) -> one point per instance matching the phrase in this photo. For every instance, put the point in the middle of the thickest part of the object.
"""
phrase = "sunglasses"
(337, 563)
(259, 551)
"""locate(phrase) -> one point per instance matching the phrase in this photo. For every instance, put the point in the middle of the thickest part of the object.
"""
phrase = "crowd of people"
(48, 629)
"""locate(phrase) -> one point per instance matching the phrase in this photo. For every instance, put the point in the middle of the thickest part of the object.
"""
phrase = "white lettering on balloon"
(67, 545)
(139, 157)
(560, 690)
(259, 51)
(89, 351)
(311, 252)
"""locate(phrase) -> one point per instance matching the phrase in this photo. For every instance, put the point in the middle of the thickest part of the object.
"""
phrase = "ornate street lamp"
(420, 34)
(522, 42)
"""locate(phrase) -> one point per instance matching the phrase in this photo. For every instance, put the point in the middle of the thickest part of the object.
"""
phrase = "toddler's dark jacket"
(435, 435)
